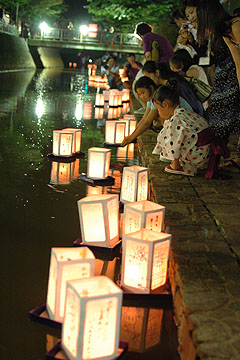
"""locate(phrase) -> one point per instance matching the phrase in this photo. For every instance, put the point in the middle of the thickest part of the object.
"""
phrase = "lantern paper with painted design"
(99, 220)
(134, 184)
(114, 131)
(143, 214)
(63, 143)
(66, 264)
(76, 139)
(92, 319)
(141, 327)
(64, 173)
(98, 162)
(145, 261)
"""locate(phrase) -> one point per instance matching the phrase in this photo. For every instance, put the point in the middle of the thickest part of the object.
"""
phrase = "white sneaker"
(140, 111)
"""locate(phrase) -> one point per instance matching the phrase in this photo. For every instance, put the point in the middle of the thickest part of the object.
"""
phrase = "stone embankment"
(204, 218)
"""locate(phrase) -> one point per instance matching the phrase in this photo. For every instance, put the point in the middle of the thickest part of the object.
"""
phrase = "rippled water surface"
(39, 211)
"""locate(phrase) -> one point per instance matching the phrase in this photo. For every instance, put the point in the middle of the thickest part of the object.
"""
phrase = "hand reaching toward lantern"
(127, 140)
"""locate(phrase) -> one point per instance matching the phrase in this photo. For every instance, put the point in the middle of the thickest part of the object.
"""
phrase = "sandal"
(180, 171)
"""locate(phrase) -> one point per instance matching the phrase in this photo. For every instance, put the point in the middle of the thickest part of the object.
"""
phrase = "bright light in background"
(39, 108)
(44, 27)
(84, 29)
(79, 110)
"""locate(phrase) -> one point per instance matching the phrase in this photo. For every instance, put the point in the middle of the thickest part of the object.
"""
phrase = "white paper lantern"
(99, 101)
(98, 162)
(141, 327)
(66, 264)
(63, 143)
(92, 318)
(76, 139)
(99, 220)
(130, 125)
(114, 131)
(145, 261)
(134, 184)
(143, 214)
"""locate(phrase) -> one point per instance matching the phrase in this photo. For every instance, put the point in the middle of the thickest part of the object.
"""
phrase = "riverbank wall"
(203, 217)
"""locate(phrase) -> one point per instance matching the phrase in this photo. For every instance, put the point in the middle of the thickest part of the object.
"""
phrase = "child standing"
(177, 140)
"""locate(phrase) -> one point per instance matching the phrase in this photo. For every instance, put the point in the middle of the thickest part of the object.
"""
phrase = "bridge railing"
(9, 29)
(74, 35)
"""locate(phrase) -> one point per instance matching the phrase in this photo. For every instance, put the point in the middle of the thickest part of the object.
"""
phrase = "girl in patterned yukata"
(177, 140)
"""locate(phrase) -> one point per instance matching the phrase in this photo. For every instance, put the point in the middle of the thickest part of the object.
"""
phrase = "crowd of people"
(193, 133)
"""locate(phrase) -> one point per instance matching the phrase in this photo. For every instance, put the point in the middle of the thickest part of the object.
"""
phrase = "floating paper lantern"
(99, 220)
(125, 153)
(66, 264)
(143, 214)
(134, 184)
(114, 113)
(113, 100)
(98, 162)
(92, 318)
(125, 96)
(141, 327)
(114, 131)
(76, 139)
(145, 261)
(130, 125)
(99, 100)
(63, 143)
(99, 112)
(64, 173)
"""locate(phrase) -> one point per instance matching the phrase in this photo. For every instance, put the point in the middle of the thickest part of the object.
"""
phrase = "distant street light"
(44, 28)
(83, 31)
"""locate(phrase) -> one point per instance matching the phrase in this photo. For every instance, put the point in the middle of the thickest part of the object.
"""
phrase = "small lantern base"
(79, 155)
(39, 314)
(100, 182)
(56, 353)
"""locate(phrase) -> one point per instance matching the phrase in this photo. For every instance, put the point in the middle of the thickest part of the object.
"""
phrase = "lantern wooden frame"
(134, 184)
(143, 214)
(66, 264)
(115, 132)
(145, 257)
(99, 213)
(92, 309)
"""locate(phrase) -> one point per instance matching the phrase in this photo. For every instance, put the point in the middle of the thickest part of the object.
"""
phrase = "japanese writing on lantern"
(132, 222)
(160, 263)
(129, 188)
(142, 186)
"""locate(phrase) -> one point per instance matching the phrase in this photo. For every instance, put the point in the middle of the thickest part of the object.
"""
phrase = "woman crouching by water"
(177, 140)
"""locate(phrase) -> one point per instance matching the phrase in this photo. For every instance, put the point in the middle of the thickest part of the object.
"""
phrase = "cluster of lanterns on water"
(88, 307)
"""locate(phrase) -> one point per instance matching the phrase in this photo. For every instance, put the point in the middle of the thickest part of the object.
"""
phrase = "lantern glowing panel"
(76, 139)
(63, 143)
(92, 319)
(134, 184)
(114, 131)
(143, 214)
(125, 153)
(113, 100)
(114, 113)
(98, 162)
(141, 327)
(145, 261)
(99, 112)
(99, 100)
(99, 220)
(130, 125)
(66, 264)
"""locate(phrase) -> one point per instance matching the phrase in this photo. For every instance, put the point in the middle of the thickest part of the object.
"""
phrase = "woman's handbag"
(201, 89)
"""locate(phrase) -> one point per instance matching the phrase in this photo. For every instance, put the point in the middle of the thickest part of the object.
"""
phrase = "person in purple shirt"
(156, 46)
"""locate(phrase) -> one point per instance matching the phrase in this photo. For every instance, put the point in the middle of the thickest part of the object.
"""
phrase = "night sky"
(76, 12)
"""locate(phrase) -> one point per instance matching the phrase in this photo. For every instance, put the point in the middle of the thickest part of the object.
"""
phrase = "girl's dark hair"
(186, 3)
(145, 82)
(143, 28)
(177, 14)
(212, 16)
(167, 92)
(181, 58)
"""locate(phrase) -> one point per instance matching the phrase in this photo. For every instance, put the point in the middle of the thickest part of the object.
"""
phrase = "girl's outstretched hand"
(127, 140)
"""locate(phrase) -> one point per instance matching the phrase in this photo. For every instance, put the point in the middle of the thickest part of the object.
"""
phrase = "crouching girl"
(178, 138)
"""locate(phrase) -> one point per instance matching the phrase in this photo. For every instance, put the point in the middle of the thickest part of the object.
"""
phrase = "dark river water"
(39, 211)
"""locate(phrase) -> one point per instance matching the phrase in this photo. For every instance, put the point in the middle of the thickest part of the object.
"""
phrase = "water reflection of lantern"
(63, 143)
(114, 113)
(134, 184)
(66, 264)
(92, 319)
(99, 220)
(114, 131)
(141, 327)
(64, 173)
(145, 261)
(125, 153)
(96, 190)
(87, 111)
(143, 214)
(76, 139)
(98, 162)
(99, 112)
